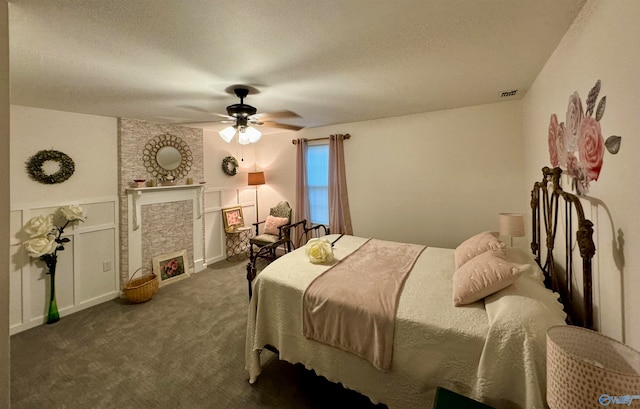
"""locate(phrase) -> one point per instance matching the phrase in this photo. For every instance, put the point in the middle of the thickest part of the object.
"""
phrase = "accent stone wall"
(166, 227)
(133, 134)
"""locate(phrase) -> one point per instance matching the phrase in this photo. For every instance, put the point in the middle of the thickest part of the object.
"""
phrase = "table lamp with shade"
(256, 179)
(512, 225)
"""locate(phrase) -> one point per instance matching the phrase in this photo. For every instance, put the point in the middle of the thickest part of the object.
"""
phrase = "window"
(318, 183)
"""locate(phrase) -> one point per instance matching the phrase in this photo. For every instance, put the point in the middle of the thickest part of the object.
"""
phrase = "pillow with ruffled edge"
(475, 245)
(272, 223)
(484, 275)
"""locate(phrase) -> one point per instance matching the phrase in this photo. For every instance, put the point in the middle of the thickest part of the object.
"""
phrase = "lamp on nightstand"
(512, 225)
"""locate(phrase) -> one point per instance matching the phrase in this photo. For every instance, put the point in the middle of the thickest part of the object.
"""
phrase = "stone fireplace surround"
(163, 220)
(174, 210)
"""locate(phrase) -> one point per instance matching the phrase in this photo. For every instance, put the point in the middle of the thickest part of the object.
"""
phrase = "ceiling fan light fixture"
(253, 134)
(227, 133)
(243, 138)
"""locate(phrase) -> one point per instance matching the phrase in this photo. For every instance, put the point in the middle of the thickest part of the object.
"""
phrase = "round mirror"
(168, 157)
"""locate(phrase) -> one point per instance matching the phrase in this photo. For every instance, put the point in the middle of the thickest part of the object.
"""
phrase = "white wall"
(87, 272)
(4, 206)
(433, 178)
(223, 191)
(601, 44)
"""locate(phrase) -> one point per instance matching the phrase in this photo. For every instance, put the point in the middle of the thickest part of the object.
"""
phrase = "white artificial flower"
(39, 226)
(319, 251)
(74, 212)
(39, 246)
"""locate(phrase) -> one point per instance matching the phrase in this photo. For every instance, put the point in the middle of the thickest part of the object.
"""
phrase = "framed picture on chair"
(232, 218)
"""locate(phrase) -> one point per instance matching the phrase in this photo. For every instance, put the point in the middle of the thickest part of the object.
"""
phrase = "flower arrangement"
(577, 145)
(319, 251)
(44, 242)
(170, 268)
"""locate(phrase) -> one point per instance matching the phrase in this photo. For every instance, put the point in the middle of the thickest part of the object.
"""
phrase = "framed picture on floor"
(171, 267)
(232, 218)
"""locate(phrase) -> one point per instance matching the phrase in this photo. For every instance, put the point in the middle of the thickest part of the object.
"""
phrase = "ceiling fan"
(243, 116)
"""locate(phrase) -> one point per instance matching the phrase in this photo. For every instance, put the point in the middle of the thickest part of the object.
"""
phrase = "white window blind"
(318, 183)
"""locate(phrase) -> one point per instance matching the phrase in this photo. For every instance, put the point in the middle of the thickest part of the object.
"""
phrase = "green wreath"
(230, 166)
(37, 173)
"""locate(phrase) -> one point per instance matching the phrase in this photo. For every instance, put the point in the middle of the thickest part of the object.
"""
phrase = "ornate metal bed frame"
(545, 198)
(269, 251)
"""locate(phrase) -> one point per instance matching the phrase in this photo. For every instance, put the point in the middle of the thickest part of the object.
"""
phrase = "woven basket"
(141, 289)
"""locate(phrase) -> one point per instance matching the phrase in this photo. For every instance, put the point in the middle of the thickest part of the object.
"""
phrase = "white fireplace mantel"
(138, 197)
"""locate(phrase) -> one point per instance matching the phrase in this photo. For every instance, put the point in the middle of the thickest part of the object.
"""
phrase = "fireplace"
(161, 220)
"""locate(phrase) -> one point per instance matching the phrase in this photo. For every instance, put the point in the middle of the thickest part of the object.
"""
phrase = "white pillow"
(475, 245)
(484, 275)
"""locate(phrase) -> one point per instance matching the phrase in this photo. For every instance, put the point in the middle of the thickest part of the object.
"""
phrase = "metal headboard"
(546, 197)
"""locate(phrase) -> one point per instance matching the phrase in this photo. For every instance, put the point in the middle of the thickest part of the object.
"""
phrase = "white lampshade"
(588, 370)
(253, 133)
(243, 138)
(227, 133)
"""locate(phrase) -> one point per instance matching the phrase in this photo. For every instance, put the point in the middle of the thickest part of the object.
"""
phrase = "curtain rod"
(295, 141)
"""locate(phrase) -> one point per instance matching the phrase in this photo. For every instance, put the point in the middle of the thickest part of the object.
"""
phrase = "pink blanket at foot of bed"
(352, 305)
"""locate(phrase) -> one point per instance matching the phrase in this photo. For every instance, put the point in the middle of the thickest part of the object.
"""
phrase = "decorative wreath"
(37, 173)
(230, 166)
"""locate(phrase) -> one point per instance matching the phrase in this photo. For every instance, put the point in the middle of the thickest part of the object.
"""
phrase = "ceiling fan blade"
(277, 114)
(194, 108)
(282, 126)
(202, 122)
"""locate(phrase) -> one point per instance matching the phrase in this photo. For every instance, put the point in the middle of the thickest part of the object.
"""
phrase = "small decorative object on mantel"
(230, 166)
(577, 145)
(37, 163)
(138, 182)
(45, 240)
(168, 180)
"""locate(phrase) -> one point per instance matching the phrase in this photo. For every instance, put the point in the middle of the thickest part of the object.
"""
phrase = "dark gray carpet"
(182, 349)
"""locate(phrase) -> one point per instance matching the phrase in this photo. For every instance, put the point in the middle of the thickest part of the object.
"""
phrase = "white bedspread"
(436, 344)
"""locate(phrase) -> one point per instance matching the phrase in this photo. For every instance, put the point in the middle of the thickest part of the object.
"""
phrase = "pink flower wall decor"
(577, 145)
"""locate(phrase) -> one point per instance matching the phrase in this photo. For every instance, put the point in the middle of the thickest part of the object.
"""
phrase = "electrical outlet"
(106, 266)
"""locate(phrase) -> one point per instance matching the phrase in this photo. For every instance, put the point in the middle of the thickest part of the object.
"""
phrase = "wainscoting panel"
(87, 268)
(97, 278)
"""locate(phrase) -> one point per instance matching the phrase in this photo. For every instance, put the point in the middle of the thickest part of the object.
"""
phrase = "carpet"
(184, 348)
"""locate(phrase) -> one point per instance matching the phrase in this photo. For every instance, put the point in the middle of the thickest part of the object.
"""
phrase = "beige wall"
(90, 140)
(433, 178)
(601, 44)
(4, 206)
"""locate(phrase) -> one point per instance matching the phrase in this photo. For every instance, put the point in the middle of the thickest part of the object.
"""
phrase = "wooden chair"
(264, 238)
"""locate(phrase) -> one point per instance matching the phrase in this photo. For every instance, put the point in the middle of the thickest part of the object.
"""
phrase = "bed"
(491, 350)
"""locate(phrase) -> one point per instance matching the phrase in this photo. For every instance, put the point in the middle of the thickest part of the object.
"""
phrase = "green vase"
(52, 314)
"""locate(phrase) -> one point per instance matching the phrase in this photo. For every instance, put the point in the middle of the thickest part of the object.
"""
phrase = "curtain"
(339, 214)
(302, 210)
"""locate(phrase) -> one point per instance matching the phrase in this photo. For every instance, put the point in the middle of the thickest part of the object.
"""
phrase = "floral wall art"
(577, 145)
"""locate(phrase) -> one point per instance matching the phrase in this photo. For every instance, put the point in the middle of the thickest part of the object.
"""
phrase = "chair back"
(282, 209)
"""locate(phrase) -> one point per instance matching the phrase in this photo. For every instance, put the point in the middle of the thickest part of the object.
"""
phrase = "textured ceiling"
(330, 61)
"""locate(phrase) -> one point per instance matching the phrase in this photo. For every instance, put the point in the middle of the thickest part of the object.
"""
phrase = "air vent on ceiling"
(510, 93)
